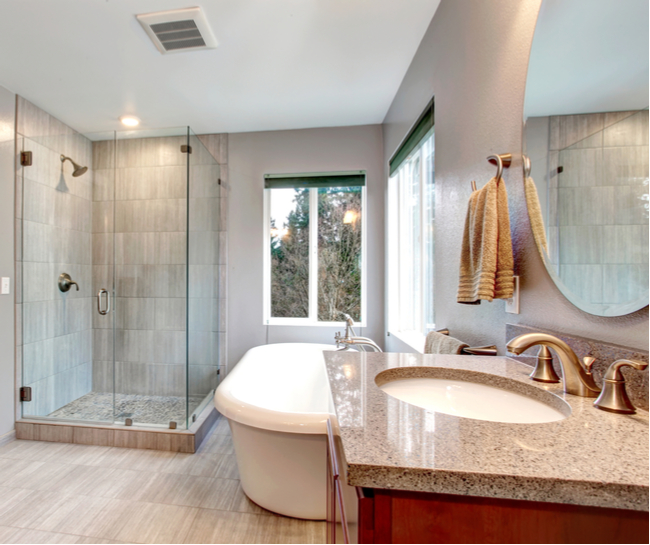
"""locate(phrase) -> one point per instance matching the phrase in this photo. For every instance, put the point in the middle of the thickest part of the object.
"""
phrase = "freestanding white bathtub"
(277, 401)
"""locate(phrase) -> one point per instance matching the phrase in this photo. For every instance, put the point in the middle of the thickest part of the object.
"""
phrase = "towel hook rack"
(527, 166)
(473, 350)
(502, 161)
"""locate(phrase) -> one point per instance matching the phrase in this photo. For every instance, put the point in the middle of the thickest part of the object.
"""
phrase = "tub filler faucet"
(350, 339)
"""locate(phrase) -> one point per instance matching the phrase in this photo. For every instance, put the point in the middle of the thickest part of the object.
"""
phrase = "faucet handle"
(588, 363)
(614, 371)
(613, 397)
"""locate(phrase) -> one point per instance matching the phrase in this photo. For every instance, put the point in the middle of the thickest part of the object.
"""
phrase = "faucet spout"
(577, 380)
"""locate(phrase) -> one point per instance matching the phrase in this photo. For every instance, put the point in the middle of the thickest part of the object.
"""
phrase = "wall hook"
(527, 166)
(501, 161)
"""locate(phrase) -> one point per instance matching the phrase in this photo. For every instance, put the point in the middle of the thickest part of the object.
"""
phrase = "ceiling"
(588, 56)
(280, 64)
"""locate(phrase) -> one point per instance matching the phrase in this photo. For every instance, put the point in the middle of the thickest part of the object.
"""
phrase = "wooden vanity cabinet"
(361, 515)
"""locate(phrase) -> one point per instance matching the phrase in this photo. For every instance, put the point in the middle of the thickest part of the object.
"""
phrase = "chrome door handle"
(105, 311)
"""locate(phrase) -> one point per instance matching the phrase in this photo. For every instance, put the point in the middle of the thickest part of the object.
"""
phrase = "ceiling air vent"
(178, 30)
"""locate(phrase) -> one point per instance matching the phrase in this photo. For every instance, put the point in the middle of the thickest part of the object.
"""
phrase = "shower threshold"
(152, 431)
(143, 410)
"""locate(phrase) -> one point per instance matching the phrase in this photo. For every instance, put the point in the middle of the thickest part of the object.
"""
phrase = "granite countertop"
(591, 458)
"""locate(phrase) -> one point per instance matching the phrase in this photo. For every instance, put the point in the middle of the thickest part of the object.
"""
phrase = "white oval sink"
(472, 400)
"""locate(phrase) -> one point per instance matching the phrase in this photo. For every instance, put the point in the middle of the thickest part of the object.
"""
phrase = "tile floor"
(63, 493)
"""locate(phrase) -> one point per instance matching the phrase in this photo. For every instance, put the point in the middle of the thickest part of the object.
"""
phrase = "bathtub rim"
(259, 417)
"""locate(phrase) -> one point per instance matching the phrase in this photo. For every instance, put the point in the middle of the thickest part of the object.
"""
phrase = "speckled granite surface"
(590, 458)
(159, 410)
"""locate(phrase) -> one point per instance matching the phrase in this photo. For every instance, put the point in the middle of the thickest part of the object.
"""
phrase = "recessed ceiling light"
(130, 120)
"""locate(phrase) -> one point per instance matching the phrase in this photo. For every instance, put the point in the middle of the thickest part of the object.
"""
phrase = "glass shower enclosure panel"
(120, 265)
(57, 296)
(204, 273)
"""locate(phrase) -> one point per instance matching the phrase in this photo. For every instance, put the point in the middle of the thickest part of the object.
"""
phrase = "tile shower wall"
(53, 215)
(596, 201)
(148, 180)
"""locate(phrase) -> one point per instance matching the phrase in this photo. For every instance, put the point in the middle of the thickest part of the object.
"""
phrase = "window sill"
(297, 322)
(414, 339)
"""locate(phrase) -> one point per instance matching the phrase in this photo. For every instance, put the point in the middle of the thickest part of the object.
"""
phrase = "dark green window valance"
(356, 178)
(420, 130)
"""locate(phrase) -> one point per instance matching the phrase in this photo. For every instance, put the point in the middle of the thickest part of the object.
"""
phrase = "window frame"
(312, 319)
(395, 226)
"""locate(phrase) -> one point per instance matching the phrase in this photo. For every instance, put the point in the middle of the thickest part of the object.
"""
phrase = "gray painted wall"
(251, 155)
(7, 128)
(474, 58)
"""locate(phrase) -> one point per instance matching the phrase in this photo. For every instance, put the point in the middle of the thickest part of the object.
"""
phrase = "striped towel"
(486, 263)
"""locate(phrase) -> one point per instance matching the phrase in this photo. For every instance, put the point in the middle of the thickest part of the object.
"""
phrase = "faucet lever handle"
(613, 398)
(588, 363)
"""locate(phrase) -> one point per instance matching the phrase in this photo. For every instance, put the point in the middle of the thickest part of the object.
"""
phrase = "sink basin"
(472, 398)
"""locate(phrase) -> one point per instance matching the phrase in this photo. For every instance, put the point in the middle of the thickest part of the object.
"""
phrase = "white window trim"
(312, 320)
(411, 337)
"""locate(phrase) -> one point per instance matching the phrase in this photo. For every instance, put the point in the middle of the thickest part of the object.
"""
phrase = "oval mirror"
(586, 148)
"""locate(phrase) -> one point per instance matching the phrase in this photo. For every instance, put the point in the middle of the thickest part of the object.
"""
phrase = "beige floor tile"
(85, 516)
(6, 532)
(157, 523)
(76, 454)
(243, 504)
(9, 497)
(30, 450)
(288, 530)
(222, 427)
(135, 459)
(9, 467)
(27, 512)
(40, 476)
(217, 444)
(221, 494)
(87, 539)
(211, 526)
(174, 489)
(227, 468)
(200, 465)
(38, 536)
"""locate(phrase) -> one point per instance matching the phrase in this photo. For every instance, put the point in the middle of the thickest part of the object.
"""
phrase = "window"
(314, 248)
(411, 231)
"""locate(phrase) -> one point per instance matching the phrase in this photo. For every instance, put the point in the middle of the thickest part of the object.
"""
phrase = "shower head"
(78, 169)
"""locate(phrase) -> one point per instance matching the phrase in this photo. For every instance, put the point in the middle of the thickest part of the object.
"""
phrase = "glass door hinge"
(26, 158)
(186, 149)
(26, 393)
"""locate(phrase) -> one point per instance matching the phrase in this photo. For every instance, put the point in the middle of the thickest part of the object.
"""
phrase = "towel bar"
(474, 350)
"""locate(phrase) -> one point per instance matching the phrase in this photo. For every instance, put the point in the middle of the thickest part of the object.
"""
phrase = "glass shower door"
(151, 278)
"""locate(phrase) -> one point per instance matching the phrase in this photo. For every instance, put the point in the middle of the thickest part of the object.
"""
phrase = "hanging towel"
(486, 262)
(535, 215)
(437, 343)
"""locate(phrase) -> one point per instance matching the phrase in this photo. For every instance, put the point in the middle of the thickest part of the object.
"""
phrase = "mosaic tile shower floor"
(157, 410)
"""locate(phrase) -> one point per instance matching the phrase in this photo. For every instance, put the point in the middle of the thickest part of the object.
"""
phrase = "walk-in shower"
(120, 276)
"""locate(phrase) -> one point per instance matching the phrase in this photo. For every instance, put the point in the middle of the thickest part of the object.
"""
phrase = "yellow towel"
(535, 215)
(486, 263)
(437, 343)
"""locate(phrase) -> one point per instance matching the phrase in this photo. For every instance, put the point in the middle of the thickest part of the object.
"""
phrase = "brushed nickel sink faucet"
(578, 379)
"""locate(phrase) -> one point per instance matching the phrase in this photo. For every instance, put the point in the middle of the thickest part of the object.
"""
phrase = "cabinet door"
(337, 525)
